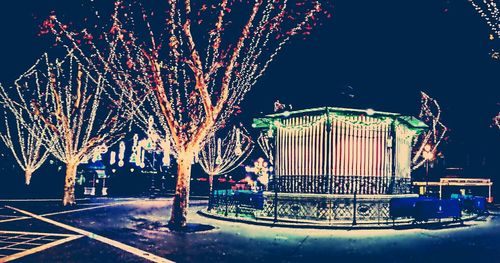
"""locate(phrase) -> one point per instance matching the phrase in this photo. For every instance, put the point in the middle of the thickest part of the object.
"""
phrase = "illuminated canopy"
(331, 150)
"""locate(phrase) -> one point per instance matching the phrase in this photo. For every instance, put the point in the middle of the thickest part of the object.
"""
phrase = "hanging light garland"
(121, 154)
(266, 146)
(350, 120)
(221, 155)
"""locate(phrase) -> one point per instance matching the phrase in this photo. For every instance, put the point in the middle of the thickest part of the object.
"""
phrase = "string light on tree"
(429, 140)
(191, 87)
(26, 146)
(68, 101)
(488, 9)
(266, 146)
(223, 155)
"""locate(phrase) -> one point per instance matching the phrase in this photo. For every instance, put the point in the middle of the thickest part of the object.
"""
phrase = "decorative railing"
(340, 184)
(320, 208)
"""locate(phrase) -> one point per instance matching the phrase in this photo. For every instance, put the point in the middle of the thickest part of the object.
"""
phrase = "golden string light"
(68, 103)
(223, 155)
(181, 66)
(26, 146)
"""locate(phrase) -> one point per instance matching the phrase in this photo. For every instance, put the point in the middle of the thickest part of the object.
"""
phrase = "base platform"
(325, 209)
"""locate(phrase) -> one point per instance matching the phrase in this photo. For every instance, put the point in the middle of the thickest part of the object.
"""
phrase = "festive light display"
(189, 63)
(331, 150)
(26, 146)
(152, 143)
(266, 146)
(221, 156)
(430, 113)
(67, 100)
(262, 169)
(488, 10)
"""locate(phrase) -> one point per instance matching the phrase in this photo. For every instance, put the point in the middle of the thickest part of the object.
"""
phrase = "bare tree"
(189, 64)
(71, 106)
(26, 147)
(429, 140)
(223, 155)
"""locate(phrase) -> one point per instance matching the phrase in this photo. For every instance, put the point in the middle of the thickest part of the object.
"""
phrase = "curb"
(301, 225)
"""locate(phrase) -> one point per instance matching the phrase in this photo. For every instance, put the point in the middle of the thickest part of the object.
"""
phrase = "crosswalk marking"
(26, 252)
(114, 243)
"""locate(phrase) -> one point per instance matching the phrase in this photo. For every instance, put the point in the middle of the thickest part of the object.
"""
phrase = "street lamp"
(428, 156)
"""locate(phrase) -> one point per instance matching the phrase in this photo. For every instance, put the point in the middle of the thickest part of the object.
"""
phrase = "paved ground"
(108, 230)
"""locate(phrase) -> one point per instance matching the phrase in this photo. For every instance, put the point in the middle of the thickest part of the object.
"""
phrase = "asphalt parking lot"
(133, 230)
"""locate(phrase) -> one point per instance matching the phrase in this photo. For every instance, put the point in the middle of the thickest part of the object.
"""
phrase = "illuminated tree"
(223, 155)
(189, 64)
(488, 9)
(70, 105)
(26, 147)
(430, 139)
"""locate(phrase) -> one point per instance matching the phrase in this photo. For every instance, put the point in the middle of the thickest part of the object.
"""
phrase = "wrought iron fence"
(291, 207)
(340, 184)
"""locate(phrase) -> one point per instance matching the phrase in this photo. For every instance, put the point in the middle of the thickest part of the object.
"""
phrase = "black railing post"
(354, 210)
(275, 198)
(392, 184)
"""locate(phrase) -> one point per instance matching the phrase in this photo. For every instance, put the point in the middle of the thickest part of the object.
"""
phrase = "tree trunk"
(211, 183)
(178, 218)
(27, 177)
(69, 184)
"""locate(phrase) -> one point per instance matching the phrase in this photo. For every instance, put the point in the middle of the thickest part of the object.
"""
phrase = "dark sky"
(387, 51)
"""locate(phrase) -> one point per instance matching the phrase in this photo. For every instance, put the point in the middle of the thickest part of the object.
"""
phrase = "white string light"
(163, 73)
(430, 113)
(26, 146)
(219, 156)
(65, 98)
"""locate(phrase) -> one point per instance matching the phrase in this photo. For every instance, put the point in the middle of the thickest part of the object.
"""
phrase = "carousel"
(331, 165)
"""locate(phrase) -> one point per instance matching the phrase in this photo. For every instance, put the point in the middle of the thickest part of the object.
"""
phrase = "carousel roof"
(409, 121)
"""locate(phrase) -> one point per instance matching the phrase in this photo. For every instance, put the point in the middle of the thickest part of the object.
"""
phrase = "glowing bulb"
(427, 147)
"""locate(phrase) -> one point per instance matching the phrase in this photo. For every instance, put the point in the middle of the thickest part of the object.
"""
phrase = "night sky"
(382, 52)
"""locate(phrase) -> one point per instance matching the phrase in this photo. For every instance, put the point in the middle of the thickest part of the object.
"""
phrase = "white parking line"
(88, 208)
(38, 200)
(69, 211)
(114, 243)
(34, 233)
(39, 248)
